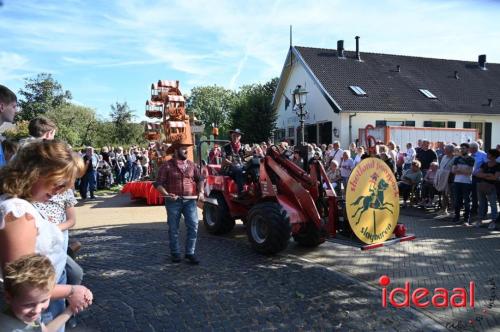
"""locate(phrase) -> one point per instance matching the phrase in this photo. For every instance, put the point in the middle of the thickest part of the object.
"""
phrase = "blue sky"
(105, 51)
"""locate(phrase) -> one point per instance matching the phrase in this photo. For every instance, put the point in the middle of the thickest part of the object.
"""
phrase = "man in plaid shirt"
(180, 181)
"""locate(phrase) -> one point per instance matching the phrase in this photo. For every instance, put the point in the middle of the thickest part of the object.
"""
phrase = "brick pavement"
(137, 288)
(333, 287)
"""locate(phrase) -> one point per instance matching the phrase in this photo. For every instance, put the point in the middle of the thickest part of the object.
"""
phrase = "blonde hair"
(34, 271)
(52, 161)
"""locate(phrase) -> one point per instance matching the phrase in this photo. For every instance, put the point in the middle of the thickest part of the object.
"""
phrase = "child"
(28, 284)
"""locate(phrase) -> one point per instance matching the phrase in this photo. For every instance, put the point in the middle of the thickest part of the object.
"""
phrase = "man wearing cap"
(180, 182)
(233, 159)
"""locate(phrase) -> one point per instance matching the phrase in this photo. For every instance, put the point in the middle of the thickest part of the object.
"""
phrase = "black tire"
(310, 236)
(268, 228)
(217, 219)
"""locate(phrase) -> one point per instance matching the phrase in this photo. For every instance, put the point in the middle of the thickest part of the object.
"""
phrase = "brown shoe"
(75, 246)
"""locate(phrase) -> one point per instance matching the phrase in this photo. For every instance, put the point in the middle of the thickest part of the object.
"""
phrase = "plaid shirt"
(179, 177)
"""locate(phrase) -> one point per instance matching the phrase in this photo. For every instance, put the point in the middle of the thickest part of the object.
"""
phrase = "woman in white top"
(39, 171)
(346, 166)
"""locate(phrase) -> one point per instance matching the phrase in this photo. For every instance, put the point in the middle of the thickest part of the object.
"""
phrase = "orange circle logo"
(372, 201)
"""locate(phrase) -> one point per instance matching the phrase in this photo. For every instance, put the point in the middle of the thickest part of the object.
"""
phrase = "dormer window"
(427, 93)
(357, 90)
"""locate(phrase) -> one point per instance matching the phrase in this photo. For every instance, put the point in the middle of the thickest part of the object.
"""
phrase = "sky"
(107, 51)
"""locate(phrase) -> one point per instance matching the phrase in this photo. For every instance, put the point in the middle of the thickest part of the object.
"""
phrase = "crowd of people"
(458, 180)
(43, 283)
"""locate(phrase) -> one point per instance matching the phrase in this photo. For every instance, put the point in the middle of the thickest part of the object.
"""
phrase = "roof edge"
(335, 106)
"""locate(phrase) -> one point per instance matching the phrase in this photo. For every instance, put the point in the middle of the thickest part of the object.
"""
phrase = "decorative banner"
(372, 201)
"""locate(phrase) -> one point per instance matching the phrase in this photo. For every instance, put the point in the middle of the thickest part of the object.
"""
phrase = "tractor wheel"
(310, 236)
(217, 219)
(268, 228)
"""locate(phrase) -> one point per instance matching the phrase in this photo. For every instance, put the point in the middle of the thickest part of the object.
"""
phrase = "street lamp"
(299, 97)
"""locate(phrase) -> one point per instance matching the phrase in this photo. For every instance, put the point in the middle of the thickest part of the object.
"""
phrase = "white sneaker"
(492, 225)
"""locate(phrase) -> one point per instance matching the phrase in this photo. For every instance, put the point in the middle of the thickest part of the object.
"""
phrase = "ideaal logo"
(422, 297)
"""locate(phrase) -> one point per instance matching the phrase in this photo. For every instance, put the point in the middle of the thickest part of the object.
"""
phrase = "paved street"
(332, 288)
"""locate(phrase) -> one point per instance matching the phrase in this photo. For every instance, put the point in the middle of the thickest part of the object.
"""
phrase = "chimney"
(490, 102)
(482, 61)
(456, 75)
(340, 48)
(398, 68)
(358, 57)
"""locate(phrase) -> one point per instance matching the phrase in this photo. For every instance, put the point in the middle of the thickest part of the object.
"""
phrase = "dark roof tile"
(392, 91)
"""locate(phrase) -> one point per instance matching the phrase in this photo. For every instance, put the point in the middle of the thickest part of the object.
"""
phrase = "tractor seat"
(214, 169)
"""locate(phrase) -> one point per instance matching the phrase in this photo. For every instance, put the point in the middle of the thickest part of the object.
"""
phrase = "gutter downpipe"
(350, 126)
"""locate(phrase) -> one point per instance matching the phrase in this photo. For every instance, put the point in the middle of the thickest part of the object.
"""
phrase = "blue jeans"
(56, 307)
(186, 207)
(74, 272)
(88, 183)
(462, 195)
(483, 204)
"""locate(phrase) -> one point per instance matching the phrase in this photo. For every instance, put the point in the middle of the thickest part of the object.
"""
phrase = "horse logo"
(375, 200)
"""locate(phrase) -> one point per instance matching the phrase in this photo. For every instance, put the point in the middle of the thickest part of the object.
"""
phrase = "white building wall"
(363, 119)
(318, 108)
(320, 111)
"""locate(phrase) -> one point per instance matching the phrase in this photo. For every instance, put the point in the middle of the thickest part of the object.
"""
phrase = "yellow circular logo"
(372, 201)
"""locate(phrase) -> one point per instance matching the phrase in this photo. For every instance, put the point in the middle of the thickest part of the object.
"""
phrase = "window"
(357, 90)
(291, 132)
(451, 124)
(427, 93)
(435, 124)
(383, 123)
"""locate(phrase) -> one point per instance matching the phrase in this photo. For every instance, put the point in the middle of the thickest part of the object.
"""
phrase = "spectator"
(428, 190)
(9, 148)
(27, 231)
(120, 165)
(410, 156)
(359, 153)
(385, 157)
(426, 156)
(42, 128)
(346, 167)
(486, 191)
(444, 179)
(439, 150)
(297, 159)
(410, 181)
(335, 178)
(336, 153)
(8, 108)
(462, 185)
(479, 159)
(352, 150)
(89, 180)
(215, 155)
(29, 282)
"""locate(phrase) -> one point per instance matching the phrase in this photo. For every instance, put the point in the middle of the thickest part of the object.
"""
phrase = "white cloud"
(12, 66)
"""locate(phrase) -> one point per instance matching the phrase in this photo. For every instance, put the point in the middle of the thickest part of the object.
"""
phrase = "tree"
(212, 105)
(76, 124)
(41, 95)
(124, 130)
(253, 106)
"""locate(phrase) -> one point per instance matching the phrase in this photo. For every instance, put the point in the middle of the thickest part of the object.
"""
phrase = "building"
(348, 90)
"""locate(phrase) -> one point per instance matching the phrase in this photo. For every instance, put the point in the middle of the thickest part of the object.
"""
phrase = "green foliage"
(253, 106)
(18, 132)
(76, 124)
(41, 95)
(212, 105)
(123, 128)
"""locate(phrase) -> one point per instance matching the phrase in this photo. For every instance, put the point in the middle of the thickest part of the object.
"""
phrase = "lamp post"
(299, 97)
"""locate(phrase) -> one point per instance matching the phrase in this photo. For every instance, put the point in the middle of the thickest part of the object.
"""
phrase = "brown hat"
(174, 146)
(236, 131)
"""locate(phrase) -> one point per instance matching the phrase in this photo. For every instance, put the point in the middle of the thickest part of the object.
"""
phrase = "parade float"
(169, 124)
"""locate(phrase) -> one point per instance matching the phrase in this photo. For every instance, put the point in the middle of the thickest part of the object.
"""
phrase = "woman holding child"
(39, 171)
